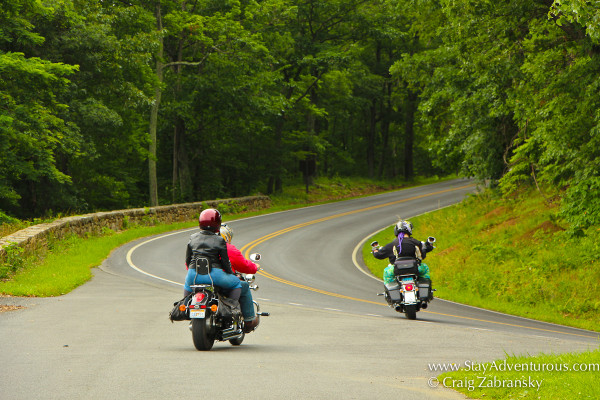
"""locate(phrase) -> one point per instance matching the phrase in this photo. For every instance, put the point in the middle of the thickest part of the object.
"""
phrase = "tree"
(32, 133)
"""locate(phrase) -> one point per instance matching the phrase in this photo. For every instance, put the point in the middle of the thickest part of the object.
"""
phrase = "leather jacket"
(211, 246)
(409, 249)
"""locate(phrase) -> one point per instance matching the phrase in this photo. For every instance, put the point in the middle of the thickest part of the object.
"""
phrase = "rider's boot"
(251, 325)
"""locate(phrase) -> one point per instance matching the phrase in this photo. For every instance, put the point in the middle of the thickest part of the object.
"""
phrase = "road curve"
(329, 335)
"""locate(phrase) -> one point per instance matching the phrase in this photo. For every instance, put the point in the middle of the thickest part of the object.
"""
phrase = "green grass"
(67, 264)
(511, 256)
(563, 376)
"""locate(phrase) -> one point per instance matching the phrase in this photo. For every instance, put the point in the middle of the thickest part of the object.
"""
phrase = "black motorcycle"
(215, 317)
(409, 294)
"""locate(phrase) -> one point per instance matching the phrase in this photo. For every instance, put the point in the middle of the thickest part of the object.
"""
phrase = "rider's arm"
(384, 252)
(426, 247)
(188, 256)
(239, 262)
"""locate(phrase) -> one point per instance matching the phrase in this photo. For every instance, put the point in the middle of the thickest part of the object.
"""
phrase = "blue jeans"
(225, 281)
(217, 277)
(246, 302)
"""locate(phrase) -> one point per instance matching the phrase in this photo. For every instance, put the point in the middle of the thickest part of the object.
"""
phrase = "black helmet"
(403, 227)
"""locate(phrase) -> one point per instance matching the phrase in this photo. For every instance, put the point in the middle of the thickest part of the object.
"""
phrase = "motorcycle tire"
(202, 333)
(238, 341)
(410, 311)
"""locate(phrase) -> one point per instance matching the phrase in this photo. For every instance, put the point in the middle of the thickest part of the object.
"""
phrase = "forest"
(116, 104)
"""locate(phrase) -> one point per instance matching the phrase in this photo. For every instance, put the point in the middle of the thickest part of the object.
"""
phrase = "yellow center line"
(277, 279)
(248, 248)
(258, 241)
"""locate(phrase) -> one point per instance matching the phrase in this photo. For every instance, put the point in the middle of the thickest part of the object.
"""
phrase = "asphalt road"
(329, 335)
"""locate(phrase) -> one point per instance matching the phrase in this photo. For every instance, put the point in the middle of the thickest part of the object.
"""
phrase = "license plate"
(410, 297)
(197, 313)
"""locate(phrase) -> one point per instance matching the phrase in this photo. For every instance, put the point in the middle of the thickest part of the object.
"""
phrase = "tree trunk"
(386, 111)
(278, 170)
(183, 160)
(309, 163)
(409, 134)
(175, 177)
(152, 179)
(274, 183)
(371, 130)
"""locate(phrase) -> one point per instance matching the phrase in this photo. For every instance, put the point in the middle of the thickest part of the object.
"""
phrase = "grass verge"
(69, 263)
(563, 376)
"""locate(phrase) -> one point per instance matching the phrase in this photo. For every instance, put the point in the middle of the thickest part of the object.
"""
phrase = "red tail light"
(199, 297)
(408, 287)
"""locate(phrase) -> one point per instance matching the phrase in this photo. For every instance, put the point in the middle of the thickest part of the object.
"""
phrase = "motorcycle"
(215, 317)
(409, 294)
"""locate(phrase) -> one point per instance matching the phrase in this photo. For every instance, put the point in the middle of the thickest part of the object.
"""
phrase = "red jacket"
(238, 262)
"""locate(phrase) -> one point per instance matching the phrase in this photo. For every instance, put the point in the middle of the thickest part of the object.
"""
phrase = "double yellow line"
(248, 248)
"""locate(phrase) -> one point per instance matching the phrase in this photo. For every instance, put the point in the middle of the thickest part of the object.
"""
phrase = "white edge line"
(134, 248)
(360, 244)
(135, 267)
(370, 275)
(354, 260)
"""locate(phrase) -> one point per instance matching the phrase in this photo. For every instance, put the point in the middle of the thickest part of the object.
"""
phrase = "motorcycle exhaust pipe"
(232, 335)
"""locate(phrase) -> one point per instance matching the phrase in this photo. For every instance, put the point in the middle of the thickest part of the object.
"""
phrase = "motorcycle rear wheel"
(410, 311)
(202, 333)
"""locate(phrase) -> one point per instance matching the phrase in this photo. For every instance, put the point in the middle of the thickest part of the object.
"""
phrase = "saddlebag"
(228, 307)
(425, 293)
(406, 266)
(394, 294)
(176, 314)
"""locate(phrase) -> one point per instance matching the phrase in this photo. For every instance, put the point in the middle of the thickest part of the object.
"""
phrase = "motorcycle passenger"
(404, 245)
(206, 257)
(241, 264)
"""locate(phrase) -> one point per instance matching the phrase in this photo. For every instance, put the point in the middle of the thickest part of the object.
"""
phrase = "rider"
(206, 257)
(241, 264)
(404, 245)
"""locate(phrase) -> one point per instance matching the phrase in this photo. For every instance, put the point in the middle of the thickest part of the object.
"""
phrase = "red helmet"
(210, 220)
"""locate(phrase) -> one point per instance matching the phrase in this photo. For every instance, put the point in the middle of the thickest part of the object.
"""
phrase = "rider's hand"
(374, 246)
(258, 268)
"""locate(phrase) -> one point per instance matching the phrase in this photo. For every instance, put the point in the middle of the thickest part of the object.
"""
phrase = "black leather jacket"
(211, 246)
(409, 246)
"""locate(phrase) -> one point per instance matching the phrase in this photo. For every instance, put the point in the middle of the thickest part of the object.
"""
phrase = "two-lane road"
(329, 335)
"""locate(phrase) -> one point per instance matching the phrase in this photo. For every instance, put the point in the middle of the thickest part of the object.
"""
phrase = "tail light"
(409, 288)
(199, 297)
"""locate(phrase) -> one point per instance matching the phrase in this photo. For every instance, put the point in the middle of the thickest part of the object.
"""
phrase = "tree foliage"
(119, 104)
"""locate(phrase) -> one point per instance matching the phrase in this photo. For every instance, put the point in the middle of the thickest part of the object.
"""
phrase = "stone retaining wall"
(36, 236)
